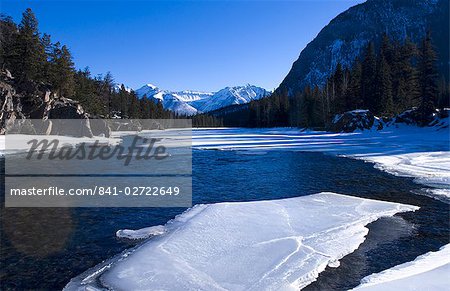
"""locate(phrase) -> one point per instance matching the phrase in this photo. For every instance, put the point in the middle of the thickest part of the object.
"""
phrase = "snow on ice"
(278, 244)
(141, 233)
(427, 272)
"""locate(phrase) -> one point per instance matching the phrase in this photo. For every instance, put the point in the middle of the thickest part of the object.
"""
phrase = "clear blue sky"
(198, 45)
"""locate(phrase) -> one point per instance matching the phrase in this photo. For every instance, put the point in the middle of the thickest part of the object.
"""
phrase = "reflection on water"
(44, 248)
(384, 234)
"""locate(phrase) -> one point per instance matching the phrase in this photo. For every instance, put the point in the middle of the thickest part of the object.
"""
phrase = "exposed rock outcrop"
(36, 110)
(11, 109)
(355, 120)
(364, 120)
(439, 118)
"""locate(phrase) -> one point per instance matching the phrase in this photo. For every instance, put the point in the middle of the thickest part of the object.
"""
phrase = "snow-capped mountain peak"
(230, 96)
(118, 87)
(189, 102)
(151, 86)
(148, 90)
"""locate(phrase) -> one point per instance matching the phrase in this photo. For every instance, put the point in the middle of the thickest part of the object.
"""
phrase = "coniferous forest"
(387, 79)
(35, 60)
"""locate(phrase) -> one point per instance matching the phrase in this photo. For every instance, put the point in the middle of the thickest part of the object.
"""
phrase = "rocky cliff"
(37, 102)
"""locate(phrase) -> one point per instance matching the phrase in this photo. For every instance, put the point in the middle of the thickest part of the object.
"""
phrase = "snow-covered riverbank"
(410, 151)
(427, 272)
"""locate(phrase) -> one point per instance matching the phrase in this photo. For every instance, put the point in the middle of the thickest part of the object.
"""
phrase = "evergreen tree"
(384, 101)
(123, 99)
(48, 49)
(405, 84)
(29, 64)
(387, 49)
(107, 90)
(339, 102)
(134, 109)
(145, 105)
(444, 94)
(87, 93)
(62, 70)
(306, 110)
(8, 36)
(428, 79)
(368, 77)
(354, 92)
(316, 116)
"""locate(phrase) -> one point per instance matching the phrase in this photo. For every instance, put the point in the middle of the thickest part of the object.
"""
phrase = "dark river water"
(44, 248)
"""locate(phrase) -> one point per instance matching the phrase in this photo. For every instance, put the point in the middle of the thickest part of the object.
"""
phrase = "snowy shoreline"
(422, 153)
(427, 272)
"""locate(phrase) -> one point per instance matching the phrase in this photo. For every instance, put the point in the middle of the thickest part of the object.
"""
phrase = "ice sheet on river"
(141, 233)
(245, 246)
(427, 272)
(420, 153)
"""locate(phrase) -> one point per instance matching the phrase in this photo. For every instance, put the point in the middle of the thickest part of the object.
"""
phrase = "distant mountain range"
(193, 102)
(346, 36)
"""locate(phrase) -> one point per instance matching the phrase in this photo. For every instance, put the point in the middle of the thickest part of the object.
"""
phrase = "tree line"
(206, 120)
(35, 60)
(387, 81)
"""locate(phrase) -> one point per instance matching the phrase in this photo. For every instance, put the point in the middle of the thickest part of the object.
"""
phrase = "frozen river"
(253, 165)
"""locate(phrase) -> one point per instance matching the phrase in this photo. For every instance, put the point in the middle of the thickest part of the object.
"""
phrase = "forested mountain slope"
(347, 35)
